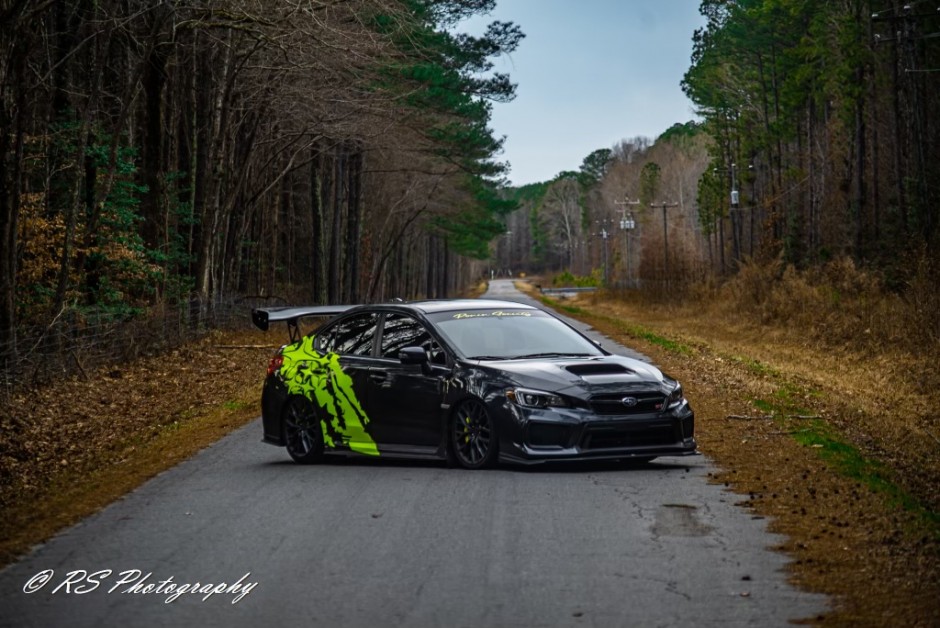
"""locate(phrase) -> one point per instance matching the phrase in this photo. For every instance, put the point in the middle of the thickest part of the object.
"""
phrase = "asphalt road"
(382, 543)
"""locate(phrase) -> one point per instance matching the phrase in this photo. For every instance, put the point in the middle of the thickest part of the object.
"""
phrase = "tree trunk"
(860, 173)
(152, 165)
(12, 107)
(335, 286)
(319, 188)
(445, 271)
(210, 245)
(353, 226)
(429, 282)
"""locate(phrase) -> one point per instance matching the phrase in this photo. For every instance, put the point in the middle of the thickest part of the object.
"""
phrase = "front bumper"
(542, 436)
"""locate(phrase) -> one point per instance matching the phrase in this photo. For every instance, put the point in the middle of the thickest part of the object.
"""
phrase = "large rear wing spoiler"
(263, 317)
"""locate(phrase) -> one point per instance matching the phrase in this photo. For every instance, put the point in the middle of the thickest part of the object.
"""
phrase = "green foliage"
(530, 198)
(594, 167)
(680, 132)
(176, 259)
(843, 457)
(540, 244)
(531, 193)
(568, 280)
(592, 171)
(470, 230)
(638, 331)
(802, 89)
(649, 182)
(120, 273)
(110, 271)
(446, 80)
(449, 12)
(712, 192)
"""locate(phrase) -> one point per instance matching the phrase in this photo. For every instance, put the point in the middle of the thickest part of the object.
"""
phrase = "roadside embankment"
(834, 450)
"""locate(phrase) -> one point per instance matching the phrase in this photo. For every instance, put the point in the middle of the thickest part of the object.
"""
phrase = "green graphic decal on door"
(321, 379)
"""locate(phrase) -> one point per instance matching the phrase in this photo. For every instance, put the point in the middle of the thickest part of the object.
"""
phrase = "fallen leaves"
(77, 425)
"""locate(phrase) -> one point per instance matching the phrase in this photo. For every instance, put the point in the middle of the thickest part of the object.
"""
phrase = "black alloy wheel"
(473, 436)
(303, 433)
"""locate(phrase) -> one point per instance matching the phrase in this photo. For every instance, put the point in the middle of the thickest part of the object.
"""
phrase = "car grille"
(612, 404)
(626, 435)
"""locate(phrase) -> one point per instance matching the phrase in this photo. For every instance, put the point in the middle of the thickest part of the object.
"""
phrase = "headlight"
(535, 398)
(675, 397)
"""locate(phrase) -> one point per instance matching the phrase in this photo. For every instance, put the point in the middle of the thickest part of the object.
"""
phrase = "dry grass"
(882, 402)
(837, 306)
(871, 353)
(856, 490)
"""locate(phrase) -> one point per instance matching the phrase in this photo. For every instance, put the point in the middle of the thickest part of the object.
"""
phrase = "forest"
(829, 111)
(817, 141)
(170, 155)
(173, 156)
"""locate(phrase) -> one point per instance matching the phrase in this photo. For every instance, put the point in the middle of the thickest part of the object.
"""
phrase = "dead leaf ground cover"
(70, 448)
(834, 447)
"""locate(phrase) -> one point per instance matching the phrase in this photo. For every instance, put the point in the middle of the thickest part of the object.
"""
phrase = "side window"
(403, 331)
(351, 336)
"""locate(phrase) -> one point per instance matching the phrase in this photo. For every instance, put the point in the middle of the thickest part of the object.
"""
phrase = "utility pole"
(627, 225)
(664, 207)
(736, 217)
(604, 234)
(734, 213)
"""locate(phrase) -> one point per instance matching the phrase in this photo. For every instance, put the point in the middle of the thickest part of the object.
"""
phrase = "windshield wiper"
(552, 354)
(487, 357)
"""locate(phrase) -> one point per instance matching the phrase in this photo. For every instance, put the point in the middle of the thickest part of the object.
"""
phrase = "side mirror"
(415, 355)
(412, 355)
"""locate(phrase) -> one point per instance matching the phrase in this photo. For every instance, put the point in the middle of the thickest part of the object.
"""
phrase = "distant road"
(381, 543)
(506, 289)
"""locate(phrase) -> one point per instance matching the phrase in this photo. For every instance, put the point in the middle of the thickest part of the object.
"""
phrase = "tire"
(473, 436)
(303, 434)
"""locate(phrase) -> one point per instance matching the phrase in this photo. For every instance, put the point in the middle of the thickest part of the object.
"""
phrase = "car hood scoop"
(597, 368)
(611, 373)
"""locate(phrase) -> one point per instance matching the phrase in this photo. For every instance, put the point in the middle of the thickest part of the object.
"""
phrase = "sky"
(589, 74)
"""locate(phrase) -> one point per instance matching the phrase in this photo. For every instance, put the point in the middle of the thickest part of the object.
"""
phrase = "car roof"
(449, 305)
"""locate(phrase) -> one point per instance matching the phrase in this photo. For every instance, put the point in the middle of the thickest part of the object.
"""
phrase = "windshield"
(511, 334)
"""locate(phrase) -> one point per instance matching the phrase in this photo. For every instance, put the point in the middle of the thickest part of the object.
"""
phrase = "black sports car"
(470, 381)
